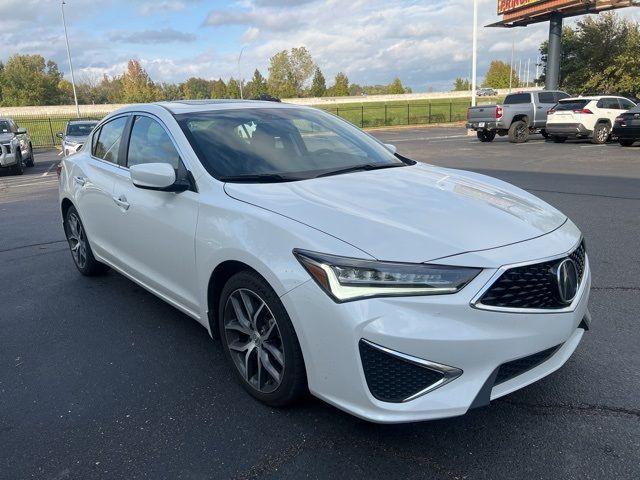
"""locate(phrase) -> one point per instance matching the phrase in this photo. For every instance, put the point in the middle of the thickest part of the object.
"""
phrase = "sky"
(426, 43)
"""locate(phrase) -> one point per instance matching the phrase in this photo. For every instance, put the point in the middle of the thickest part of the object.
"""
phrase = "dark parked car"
(627, 127)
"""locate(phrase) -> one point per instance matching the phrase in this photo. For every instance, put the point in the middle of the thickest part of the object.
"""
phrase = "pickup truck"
(519, 115)
(16, 150)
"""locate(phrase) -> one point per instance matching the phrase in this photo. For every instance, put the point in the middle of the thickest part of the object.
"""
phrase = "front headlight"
(351, 278)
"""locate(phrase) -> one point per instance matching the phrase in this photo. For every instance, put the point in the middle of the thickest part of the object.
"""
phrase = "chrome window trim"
(475, 302)
(450, 373)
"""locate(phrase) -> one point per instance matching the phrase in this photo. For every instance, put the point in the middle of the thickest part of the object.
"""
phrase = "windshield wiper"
(361, 168)
(260, 178)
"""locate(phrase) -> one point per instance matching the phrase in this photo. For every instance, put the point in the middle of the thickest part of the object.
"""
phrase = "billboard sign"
(506, 6)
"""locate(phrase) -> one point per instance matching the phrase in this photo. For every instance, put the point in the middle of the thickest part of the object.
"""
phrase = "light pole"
(513, 48)
(474, 55)
(240, 74)
(66, 39)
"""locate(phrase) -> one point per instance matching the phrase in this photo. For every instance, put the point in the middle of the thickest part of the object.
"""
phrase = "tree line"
(32, 80)
(599, 55)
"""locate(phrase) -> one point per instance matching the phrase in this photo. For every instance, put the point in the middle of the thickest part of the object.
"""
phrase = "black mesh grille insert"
(531, 286)
(391, 379)
(517, 367)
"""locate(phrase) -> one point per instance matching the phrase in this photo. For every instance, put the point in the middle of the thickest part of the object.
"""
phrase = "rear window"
(517, 98)
(572, 105)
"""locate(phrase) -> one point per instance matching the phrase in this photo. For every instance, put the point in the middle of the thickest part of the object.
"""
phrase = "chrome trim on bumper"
(449, 373)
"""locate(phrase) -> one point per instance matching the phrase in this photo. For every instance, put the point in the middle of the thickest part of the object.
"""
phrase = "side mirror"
(153, 176)
(21, 131)
(391, 148)
(59, 135)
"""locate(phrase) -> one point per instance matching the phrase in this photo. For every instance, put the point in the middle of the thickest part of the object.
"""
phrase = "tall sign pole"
(474, 55)
(66, 39)
(552, 76)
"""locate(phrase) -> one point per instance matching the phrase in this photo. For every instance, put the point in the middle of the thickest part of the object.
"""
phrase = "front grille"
(512, 369)
(532, 286)
(392, 379)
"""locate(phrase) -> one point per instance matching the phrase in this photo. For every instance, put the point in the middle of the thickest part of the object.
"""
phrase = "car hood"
(6, 137)
(409, 214)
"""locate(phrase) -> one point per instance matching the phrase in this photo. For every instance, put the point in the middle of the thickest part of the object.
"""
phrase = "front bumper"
(568, 130)
(7, 158)
(444, 330)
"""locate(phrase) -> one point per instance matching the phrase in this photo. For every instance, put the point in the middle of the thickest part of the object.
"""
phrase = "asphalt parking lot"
(100, 379)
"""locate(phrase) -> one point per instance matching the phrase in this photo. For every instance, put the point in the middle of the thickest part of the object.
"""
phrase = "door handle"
(121, 201)
(80, 181)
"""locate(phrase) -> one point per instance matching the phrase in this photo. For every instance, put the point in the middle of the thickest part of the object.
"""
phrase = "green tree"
(171, 91)
(395, 87)
(318, 84)
(341, 86)
(289, 72)
(233, 88)
(461, 85)
(302, 67)
(596, 54)
(257, 85)
(30, 80)
(196, 89)
(137, 87)
(219, 89)
(498, 75)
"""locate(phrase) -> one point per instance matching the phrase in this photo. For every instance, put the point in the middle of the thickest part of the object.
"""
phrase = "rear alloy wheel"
(486, 135)
(600, 134)
(259, 340)
(518, 132)
(79, 246)
(625, 142)
(557, 139)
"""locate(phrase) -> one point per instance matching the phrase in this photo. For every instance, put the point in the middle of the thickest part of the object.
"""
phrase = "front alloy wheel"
(260, 341)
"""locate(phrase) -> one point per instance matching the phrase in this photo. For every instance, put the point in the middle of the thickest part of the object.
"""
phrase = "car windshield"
(80, 129)
(572, 104)
(281, 144)
(4, 126)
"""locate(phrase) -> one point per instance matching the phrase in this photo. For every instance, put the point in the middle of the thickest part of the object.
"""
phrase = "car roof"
(194, 106)
(590, 98)
(88, 120)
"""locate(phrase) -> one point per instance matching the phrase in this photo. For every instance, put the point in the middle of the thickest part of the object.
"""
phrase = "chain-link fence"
(43, 129)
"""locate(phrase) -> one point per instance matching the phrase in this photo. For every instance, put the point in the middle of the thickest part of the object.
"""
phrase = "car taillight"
(583, 110)
(499, 112)
(551, 111)
(620, 119)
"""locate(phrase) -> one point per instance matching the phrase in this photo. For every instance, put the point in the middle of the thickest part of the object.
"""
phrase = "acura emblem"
(567, 278)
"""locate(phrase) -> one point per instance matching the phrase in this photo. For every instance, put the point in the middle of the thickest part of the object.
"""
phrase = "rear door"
(609, 108)
(156, 237)
(546, 101)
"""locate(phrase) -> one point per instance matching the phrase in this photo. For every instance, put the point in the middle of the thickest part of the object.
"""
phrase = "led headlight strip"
(347, 279)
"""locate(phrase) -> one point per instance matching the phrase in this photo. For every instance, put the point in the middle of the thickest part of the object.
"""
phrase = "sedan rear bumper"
(627, 133)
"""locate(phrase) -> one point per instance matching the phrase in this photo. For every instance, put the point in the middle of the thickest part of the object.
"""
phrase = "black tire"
(485, 135)
(254, 337)
(544, 133)
(557, 139)
(625, 142)
(32, 161)
(18, 168)
(519, 132)
(601, 134)
(79, 245)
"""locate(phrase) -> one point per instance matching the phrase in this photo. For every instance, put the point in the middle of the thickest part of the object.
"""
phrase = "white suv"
(585, 117)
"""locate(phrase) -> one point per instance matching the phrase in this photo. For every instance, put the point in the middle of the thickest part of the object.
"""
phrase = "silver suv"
(16, 151)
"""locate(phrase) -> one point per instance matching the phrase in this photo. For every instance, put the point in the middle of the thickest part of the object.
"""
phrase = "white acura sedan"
(327, 262)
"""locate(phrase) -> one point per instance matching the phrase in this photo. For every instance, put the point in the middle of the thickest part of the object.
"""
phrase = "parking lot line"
(49, 169)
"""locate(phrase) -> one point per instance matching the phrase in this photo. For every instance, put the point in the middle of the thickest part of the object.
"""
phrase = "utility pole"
(474, 55)
(513, 48)
(73, 81)
(240, 74)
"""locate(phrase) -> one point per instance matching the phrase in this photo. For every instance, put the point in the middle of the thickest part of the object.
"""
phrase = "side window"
(626, 104)
(94, 141)
(546, 97)
(150, 143)
(517, 98)
(108, 140)
(609, 103)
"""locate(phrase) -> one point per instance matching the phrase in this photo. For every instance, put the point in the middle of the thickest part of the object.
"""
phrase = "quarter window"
(108, 144)
(150, 143)
(626, 104)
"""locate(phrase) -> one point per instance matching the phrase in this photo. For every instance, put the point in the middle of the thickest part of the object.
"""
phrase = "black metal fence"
(43, 129)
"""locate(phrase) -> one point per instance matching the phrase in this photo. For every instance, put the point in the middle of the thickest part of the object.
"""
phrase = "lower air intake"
(517, 367)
